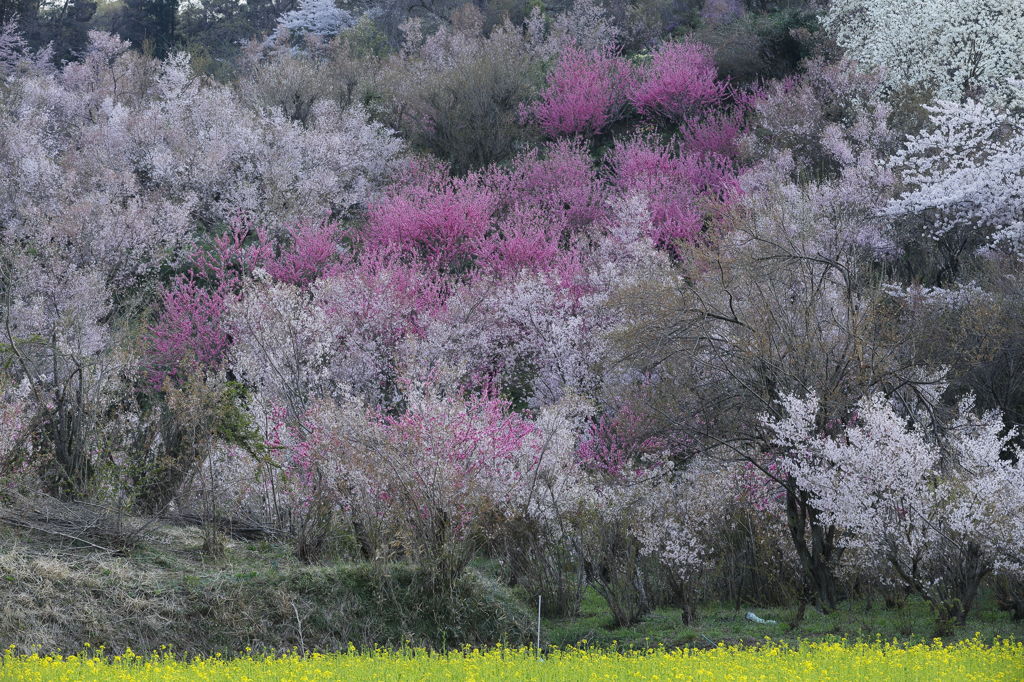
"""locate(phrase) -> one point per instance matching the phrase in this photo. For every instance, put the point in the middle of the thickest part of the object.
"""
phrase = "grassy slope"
(167, 592)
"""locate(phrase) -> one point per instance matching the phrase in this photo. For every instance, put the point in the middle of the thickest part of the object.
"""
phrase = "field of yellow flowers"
(967, 660)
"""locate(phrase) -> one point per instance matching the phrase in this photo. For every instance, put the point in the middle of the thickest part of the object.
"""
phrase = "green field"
(855, 619)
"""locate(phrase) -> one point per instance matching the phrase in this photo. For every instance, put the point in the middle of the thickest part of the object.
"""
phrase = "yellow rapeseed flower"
(969, 660)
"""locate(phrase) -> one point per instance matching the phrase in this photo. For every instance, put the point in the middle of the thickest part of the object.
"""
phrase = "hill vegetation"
(663, 303)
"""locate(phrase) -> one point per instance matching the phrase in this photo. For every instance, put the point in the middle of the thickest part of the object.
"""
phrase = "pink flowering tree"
(432, 216)
(189, 330)
(616, 442)
(586, 93)
(683, 191)
(714, 133)
(306, 484)
(561, 183)
(679, 81)
(310, 249)
(548, 205)
(189, 333)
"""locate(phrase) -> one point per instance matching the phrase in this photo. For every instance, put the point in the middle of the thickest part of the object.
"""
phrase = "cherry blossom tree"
(957, 49)
(687, 514)
(321, 18)
(52, 316)
(17, 56)
(938, 511)
(442, 462)
(963, 183)
(585, 26)
(830, 118)
(113, 170)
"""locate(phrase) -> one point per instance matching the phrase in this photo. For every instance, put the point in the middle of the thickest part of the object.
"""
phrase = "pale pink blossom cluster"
(934, 511)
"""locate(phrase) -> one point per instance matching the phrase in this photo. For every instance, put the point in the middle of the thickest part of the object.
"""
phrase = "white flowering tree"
(938, 510)
(17, 56)
(320, 18)
(964, 177)
(958, 48)
(113, 168)
(585, 26)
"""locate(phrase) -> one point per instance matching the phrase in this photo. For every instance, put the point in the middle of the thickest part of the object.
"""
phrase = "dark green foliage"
(150, 25)
(761, 46)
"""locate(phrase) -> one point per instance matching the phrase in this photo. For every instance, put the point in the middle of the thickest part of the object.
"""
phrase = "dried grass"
(57, 593)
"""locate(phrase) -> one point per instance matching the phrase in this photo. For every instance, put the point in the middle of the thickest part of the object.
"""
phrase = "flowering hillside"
(675, 303)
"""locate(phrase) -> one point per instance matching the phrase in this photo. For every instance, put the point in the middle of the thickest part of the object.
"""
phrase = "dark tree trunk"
(974, 569)
(63, 427)
(815, 546)
(160, 479)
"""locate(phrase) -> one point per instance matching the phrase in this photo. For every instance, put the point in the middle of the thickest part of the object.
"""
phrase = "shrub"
(458, 95)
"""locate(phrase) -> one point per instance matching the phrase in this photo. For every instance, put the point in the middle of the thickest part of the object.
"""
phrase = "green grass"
(56, 597)
(716, 623)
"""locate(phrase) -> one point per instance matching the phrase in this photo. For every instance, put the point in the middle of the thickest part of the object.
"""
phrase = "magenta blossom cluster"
(587, 92)
(680, 80)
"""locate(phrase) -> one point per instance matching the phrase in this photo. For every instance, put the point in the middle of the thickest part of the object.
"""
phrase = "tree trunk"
(160, 479)
(72, 469)
(817, 556)
(974, 569)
